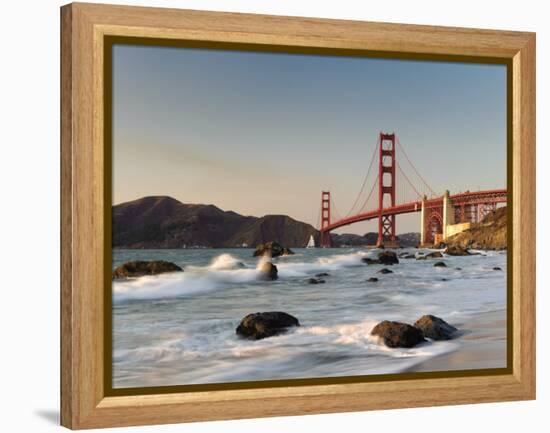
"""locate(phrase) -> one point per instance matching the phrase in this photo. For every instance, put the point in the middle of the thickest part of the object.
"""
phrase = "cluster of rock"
(384, 258)
(272, 249)
(140, 268)
(397, 334)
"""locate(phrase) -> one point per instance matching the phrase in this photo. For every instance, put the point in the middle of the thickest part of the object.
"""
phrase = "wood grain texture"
(84, 26)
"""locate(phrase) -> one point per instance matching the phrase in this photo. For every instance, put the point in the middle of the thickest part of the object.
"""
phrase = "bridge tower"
(386, 187)
(325, 219)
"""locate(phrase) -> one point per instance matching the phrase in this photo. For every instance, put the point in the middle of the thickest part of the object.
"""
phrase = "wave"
(223, 271)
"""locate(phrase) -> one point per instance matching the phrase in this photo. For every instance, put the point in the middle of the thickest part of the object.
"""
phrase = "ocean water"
(177, 329)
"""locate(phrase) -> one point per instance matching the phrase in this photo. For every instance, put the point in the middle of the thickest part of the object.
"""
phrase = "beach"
(179, 328)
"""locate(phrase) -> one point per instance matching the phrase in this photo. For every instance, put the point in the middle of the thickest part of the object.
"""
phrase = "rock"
(443, 279)
(458, 269)
(273, 249)
(421, 258)
(497, 268)
(408, 256)
(140, 268)
(322, 274)
(370, 261)
(433, 255)
(397, 334)
(269, 271)
(316, 281)
(435, 328)
(261, 325)
(372, 280)
(385, 271)
(440, 265)
(388, 258)
(457, 250)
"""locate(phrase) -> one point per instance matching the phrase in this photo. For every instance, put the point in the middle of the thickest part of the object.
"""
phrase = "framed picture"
(269, 216)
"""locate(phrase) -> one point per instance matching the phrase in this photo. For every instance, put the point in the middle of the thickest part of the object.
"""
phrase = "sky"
(265, 133)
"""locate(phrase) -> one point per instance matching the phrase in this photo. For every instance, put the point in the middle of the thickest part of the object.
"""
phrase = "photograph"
(305, 215)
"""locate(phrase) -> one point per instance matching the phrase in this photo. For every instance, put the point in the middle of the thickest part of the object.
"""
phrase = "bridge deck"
(462, 199)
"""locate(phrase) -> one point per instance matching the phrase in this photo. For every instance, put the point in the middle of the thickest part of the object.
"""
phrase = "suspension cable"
(408, 180)
(370, 194)
(414, 168)
(365, 179)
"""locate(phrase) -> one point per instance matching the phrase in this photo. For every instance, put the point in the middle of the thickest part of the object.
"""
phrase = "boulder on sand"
(435, 328)
(261, 325)
(140, 268)
(269, 271)
(397, 334)
(273, 249)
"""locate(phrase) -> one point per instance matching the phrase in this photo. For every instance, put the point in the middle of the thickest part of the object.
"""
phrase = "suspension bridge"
(441, 216)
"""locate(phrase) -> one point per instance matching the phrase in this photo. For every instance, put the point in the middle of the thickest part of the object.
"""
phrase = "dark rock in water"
(140, 268)
(458, 269)
(497, 268)
(388, 258)
(322, 274)
(457, 250)
(273, 249)
(443, 279)
(269, 271)
(385, 271)
(440, 265)
(372, 280)
(261, 325)
(397, 334)
(433, 255)
(421, 258)
(370, 261)
(315, 281)
(408, 256)
(435, 328)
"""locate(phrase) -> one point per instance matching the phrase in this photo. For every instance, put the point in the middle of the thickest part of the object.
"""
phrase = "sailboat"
(311, 242)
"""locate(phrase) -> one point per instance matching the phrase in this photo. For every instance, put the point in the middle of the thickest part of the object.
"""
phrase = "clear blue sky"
(264, 133)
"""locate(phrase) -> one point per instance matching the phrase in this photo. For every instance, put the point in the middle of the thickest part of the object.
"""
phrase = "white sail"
(311, 243)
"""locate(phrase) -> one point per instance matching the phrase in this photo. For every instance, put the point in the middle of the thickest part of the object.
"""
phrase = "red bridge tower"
(386, 186)
(325, 219)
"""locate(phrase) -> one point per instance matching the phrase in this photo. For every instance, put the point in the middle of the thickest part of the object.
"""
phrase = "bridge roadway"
(462, 199)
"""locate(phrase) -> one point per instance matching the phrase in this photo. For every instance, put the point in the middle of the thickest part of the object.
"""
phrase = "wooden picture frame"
(85, 225)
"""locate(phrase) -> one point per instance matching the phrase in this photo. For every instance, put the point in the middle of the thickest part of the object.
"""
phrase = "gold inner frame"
(109, 41)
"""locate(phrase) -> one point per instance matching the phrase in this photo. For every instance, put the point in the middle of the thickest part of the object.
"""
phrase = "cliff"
(490, 234)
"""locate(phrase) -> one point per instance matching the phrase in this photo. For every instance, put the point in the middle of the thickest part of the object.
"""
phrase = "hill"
(490, 234)
(164, 222)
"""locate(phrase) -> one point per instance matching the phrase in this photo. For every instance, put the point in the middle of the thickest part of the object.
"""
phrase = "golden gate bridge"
(441, 216)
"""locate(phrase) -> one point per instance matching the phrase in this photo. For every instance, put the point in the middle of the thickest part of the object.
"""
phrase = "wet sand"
(482, 344)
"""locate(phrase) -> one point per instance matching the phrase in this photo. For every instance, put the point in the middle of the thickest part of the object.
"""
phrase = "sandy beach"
(482, 344)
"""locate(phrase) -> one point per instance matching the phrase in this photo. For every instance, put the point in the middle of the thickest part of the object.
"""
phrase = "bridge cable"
(365, 179)
(414, 168)
(362, 208)
(408, 180)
